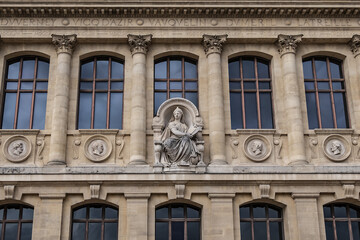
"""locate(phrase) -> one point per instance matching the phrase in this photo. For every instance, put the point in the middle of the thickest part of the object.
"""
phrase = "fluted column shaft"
(295, 127)
(138, 47)
(64, 46)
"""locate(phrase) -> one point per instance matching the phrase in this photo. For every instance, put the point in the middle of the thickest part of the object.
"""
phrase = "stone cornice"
(288, 43)
(213, 43)
(139, 43)
(355, 45)
(64, 43)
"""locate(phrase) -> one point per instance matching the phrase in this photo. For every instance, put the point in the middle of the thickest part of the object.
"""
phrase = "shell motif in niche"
(336, 148)
(97, 148)
(257, 148)
(17, 149)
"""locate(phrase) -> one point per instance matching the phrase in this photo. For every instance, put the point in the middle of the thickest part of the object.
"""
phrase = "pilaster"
(137, 216)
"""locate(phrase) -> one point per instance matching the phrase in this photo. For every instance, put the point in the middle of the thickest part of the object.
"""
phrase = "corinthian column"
(213, 47)
(64, 45)
(354, 77)
(287, 49)
(139, 46)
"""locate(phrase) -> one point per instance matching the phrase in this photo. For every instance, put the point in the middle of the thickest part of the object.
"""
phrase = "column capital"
(288, 43)
(64, 43)
(139, 43)
(213, 43)
(355, 45)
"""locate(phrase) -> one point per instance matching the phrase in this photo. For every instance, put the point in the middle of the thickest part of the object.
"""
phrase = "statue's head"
(178, 113)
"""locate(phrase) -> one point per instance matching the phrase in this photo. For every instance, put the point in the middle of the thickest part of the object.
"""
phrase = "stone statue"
(179, 149)
(256, 147)
(336, 147)
(17, 148)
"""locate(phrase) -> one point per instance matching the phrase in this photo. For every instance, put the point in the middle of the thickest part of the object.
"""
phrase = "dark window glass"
(175, 77)
(94, 222)
(101, 93)
(250, 93)
(325, 98)
(261, 222)
(177, 222)
(25, 93)
(342, 221)
(16, 222)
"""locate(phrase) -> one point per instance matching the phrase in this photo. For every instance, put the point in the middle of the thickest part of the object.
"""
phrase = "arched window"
(26, 83)
(175, 77)
(250, 93)
(342, 221)
(325, 93)
(16, 222)
(261, 221)
(101, 93)
(178, 222)
(94, 221)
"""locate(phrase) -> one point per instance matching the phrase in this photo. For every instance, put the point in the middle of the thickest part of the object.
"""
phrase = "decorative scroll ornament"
(213, 43)
(288, 43)
(257, 148)
(355, 45)
(97, 148)
(336, 148)
(139, 43)
(64, 43)
(17, 149)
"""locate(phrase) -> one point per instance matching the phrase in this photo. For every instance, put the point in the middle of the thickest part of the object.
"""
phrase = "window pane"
(102, 69)
(273, 213)
(275, 231)
(192, 96)
(26, 85)
(117, 70)
(111, 213)
(101, 86)
(309, 86)
(193, 213)
(250, 85)
(342, 230)
(260, 231)
(100, 110)
(116, 110)
(251, 110)
(327, 212)
(259, 212)
(236, 111)
(175, 85)
(43, 70)
(160, 85)
(161, 231)
(87, 70)
(11, 85)
(321, 69)
(9, 111)
(28, 69)
(312, 110)
(162, 212)
(27, 213)
(323, 85)
(85, 111)
(234, 85)
(11, 230)
(266, 110)
(248, 68)
(191, 86)
(338, 85)
(263, 69)
(39, 111)
(160, 70)
(95, 213)
(308, 71)
(356, 230)
(325, 110)
(245, 228)
(78, 231)
(24, 111)
(354, 213)
(117, 85)
(41, 85)
(245, 212)
(177, 231)
(80, 213)
(329, 231)
(12, 213)
(264, 85)
(86, 85)
(340, 212)
(177, 212)
(175, 94)
(1, 213)
(193, 230)
(175, 69)
(234, 70)
(190, 71)
(335, 69)
(159, 98)
(111, 232)
(13, 70)
(26, 231)
(94, 231)
(340, 110)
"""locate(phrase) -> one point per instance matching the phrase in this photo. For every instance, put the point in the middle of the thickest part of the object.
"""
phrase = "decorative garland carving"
(139, 43)
(213, 43)
(64, 43)
(234, 146)
(288, 43)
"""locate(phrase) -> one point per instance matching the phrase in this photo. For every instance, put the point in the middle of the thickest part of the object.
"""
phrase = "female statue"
(179, 149)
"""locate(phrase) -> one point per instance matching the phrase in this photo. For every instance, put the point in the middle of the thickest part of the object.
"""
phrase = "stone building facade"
(271, 89)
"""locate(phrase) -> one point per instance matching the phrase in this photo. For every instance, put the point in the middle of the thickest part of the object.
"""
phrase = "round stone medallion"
(257, 148)
(97, 148)
(17, 148)
(336, 148)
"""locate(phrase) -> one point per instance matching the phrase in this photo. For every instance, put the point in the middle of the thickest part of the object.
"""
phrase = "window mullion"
(316, 92)
(183, 76)
(108, 95)
(257, 93)
(93, 96)
(18, 94)
(331, 92)
(33, 95)
(242, 94)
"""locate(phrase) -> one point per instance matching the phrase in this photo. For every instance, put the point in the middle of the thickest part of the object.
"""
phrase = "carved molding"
(349, 190)
(213, 43)
(95, 191)
(9, 191)
(139, 43)
(355, 45)
(288, 43)
(278, 146)
(64, 43)
(264, 190)
(180, 190)
(120, 142)
(234, 146)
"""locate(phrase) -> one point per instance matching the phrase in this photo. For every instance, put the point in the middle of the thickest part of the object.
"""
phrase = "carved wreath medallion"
(257, 148)
(336, 148)
(97, 148)
(17, 149)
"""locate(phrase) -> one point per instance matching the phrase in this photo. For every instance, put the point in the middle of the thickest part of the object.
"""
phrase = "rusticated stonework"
(213, 43)
(139, 43)
(64, 43)
(288, 43)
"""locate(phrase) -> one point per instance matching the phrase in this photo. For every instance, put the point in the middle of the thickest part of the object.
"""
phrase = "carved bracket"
(9, 191)
(95, 191)
(355, 45)
(180, 190)
(264, 190)
(349, 190)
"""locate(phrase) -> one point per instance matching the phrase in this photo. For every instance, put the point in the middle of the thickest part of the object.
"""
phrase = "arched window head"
(16, 222)
(101, 91)
(325, 93)
(250, 93)
(175, 77)
(261, 221)
(178, 222)
(26, 84)
(342, 221)
(95, 221)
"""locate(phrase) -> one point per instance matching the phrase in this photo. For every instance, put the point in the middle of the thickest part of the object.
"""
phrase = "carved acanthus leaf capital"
(288, 43)
(64, 43)
(139, 43)
(355, 45)
(213, 43)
